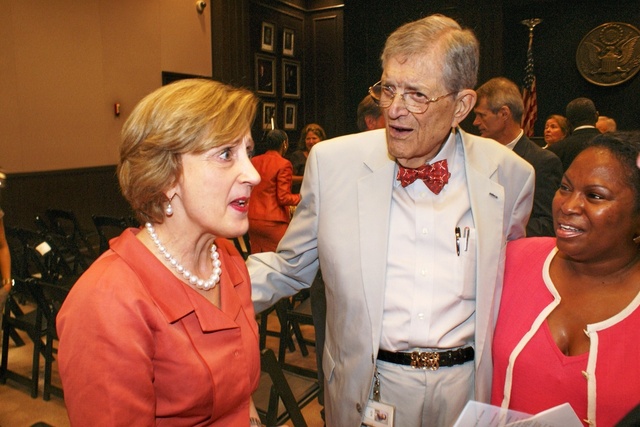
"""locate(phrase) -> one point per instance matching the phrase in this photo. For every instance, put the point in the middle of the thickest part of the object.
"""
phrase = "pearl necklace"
(191, 278)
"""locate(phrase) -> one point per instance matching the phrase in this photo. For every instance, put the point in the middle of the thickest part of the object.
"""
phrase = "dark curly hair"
(625, 146)
(274, 139)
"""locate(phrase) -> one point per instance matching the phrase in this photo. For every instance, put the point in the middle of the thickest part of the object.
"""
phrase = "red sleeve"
(283, 189)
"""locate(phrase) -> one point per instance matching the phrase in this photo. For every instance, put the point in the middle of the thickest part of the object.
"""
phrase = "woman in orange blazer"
(271, 199)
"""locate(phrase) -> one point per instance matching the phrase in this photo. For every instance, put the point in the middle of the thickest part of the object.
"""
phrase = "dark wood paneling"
(282, 15)
(231, 50)
(325, 73)
(84, 191)
(319, 47)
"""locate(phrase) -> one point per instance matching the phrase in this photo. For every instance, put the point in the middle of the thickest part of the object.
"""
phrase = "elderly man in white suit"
(413, 269)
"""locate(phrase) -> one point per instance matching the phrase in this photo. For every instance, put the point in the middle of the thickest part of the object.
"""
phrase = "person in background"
(369, 115)
(412, 268)
(160, 330)
(606, 124)
(498, 116)
(582, 116)
(556, 128)
(5, 255)
(269, 211)
(569, 323)
(310, 136)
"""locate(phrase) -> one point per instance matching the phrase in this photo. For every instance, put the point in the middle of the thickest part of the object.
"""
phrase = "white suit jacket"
(342, 226)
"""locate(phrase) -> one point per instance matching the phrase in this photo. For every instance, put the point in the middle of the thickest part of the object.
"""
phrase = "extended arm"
(276, 275)
(5, 258)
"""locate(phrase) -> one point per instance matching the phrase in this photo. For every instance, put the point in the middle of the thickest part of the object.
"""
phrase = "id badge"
(378, 414)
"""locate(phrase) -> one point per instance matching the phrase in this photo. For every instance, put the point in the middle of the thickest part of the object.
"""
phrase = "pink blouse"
(531, 374)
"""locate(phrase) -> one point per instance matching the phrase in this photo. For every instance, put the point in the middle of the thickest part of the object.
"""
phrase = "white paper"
(43, 248)
(483, 415)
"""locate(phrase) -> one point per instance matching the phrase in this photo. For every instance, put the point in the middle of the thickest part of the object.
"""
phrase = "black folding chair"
(45, 259)
(64, 223)
(242, 245)
(49, 299)
(108, 227)
(281, 395)
(16, 319)
(293, 313)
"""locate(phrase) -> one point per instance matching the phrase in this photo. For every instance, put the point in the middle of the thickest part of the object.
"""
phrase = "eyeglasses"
(414, 102)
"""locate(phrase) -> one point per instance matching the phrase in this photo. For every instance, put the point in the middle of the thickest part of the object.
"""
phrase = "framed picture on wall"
(289, 115)
(265, 75)
(290, 79)
(268, 115)
(288, 39)
(268, 37)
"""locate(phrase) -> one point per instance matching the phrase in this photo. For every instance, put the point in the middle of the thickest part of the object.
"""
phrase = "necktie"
(435, 176)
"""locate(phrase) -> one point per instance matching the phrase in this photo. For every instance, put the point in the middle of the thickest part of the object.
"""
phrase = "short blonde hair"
(563, 123)
(187, 116)
(606, 124)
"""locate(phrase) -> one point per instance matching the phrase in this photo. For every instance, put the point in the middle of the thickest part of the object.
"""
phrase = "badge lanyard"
(376, 385)
(377, 413)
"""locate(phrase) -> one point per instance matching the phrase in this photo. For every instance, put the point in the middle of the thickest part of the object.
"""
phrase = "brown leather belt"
(431, 360)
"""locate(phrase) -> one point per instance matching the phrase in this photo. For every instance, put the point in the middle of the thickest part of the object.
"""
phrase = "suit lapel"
(374, 204)
(487, 205)
(522, 147)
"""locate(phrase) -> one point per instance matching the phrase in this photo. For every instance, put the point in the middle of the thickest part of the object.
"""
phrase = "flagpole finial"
(529, 96)
(531, 22)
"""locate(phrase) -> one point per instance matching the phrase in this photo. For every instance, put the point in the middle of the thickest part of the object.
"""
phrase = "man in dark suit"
(498, 115)
(582, 116)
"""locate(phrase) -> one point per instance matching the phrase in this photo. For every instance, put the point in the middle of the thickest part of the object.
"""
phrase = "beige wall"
(65, 63)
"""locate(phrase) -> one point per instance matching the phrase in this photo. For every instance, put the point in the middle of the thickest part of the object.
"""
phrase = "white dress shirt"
(515, 141)
(430, 289)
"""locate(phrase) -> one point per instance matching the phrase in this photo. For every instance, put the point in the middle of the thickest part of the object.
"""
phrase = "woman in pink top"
(160, 330)
(569, 322)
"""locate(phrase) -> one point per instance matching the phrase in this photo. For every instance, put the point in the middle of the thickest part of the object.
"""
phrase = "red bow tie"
(435, 176)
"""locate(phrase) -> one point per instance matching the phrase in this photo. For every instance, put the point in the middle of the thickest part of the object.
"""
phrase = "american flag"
(529, 95)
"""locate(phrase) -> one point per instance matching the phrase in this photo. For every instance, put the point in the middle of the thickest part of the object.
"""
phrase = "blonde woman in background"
(556, 128)
(310, 136)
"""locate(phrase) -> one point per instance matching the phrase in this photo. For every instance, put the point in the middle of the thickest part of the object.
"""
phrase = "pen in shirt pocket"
(467, 232)
(457, 233)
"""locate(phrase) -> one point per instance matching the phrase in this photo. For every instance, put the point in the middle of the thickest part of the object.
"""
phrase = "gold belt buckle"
(425, 360)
